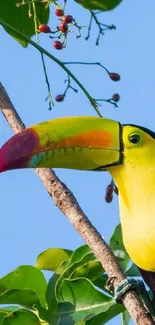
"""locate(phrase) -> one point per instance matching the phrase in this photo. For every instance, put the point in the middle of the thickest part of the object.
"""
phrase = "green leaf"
(21, 317)
(26, 277)
(133, 271)
(105, 317)
(80, 257)
(2, 289)
(18, 17)
(50, 293)
(47, 315)
(6, 311)
(91, 270)
(52, 258)
(103, 5)
(116, 240)
(116, 244)
(26, 298)
(125, 318)
(9, 309)
(79, 253)
(101, 281)
(123, 258)
(66, 317)
(84, 299)
(1, 317)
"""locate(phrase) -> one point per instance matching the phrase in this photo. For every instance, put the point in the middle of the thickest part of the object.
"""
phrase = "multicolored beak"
(82, 143)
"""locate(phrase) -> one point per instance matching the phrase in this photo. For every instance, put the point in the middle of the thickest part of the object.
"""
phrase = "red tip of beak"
(17, 151)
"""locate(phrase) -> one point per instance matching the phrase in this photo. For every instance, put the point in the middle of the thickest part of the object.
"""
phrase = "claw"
(132, 284)
(127, 285)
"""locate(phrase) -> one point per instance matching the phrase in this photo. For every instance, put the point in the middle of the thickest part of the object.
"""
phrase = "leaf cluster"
(75, 294)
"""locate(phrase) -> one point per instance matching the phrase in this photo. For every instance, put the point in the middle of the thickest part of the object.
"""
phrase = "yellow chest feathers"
(137, 212)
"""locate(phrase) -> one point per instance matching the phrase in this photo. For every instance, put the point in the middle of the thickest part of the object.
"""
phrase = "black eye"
(134, 138)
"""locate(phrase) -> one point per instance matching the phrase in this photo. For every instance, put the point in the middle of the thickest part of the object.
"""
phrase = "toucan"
(126, 151)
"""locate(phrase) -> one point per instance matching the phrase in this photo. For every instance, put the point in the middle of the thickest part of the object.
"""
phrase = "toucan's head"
(138, 144)
(83, 143)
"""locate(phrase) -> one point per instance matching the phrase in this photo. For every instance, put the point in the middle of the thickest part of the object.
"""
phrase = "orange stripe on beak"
(94, 139)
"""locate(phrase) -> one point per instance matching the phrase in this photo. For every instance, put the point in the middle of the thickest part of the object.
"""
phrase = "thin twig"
(87, 63)
(35, 20)
(110, 101)
(101, 32)
(47, 82)
(69, 86)
(67, 203)
(42, 50)
(89, 28)
(99, 25)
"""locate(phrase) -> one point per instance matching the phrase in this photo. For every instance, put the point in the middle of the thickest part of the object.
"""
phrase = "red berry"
(59, 12)
(59, 98)
(116, 97)
(114, 76)
(58, 45)
(108, 198)
(109, 190)
(63, 28)
(68, 19)
(44, 28)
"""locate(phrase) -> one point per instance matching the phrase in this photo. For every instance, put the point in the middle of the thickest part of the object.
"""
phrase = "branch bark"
(67, 203)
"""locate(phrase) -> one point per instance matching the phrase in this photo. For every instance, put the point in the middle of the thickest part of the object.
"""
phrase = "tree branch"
(67, 203)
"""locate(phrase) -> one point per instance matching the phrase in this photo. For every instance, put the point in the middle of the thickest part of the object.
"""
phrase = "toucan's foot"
(138, 286)
(126, 285)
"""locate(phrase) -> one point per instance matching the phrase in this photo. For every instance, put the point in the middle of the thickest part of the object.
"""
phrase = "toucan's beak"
(83, 143)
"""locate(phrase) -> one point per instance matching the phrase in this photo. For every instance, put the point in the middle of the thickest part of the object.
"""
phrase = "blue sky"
(30, 222)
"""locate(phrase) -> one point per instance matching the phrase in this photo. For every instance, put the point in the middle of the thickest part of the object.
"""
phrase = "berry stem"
(102, 27)
(52, 57)
(64, 6)
(47, 82)
(110, 101)
(99, 26)
(55, 3)
(88, 63)
(35, 20)
(69, 86)
(89, 28)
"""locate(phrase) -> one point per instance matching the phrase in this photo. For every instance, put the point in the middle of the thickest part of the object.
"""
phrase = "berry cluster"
(110, 189)
(61, 34)
(62, 29)
(59, 98)
(115, 98)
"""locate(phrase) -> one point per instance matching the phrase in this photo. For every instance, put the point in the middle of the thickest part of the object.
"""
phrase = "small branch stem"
(88, 63)
(110, 101)
(99, 25)
(89, 28)
(35, 20)
(69, 86)
(47, 82)
(42, 50)
(67, 203)
(96, 21)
